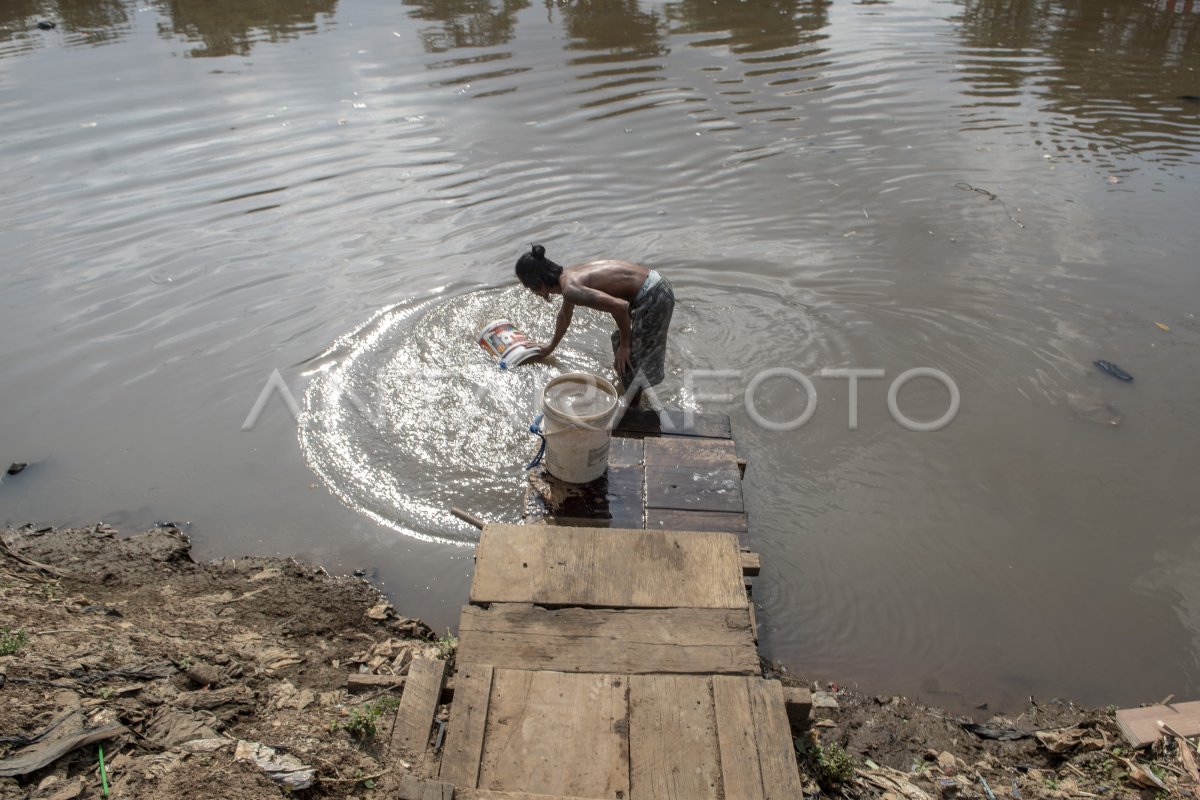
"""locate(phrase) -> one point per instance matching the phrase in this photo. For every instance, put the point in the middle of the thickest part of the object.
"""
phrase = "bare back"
(620, 279)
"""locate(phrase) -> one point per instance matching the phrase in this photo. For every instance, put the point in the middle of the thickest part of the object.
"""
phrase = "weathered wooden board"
(673, 422)
(797, 700)
(672, 519)
(669, 640)
(751, 563)
(740, 774)
(698, 489)
(673, 750)
(414, 788)
(468, 718)
(773, 734)
(615, 568)
(487, 794)
(1140, 725)
(625, 451)
(615, 500)
(690, 452)
(418, 704)
(374, 683)
(558, 734)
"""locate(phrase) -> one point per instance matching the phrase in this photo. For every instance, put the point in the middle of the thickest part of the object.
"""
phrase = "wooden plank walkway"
(610, 651)
(673, 477)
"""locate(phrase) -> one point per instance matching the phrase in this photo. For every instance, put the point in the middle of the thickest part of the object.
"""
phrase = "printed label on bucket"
(598, 455)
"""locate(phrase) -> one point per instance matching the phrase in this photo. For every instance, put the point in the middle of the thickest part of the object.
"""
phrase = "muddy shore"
(231, 679)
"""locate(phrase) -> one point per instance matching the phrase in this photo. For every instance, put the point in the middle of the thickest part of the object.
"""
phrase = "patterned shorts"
(650, 313)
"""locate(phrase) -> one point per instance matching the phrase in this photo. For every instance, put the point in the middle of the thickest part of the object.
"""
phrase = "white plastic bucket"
(578, 411)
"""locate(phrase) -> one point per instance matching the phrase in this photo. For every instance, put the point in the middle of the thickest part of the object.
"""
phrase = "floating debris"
(1113, 369)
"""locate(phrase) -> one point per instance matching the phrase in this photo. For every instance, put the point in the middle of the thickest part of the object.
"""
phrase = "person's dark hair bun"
(538, 251)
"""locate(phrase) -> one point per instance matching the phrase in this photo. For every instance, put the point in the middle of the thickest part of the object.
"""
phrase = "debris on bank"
(857, 746)
(127, 667)
(228, 679)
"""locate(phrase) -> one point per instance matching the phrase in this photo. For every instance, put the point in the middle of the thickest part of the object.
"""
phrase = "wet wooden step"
(613, 568)
(689, 452)
(639, 422)
(694, 489)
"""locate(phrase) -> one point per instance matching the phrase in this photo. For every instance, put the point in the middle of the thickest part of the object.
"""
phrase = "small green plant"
(364, 719)
(831, 764)
(446, 645)
(106, 693)
(50, 591)
(12, 640)
(1051, 783)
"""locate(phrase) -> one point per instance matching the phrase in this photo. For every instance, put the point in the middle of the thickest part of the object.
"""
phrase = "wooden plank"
(418, 704)
(673, 750)
(375, 683)
(741, 777)
(671, 519)
(751, 563)
(1140, 725)
(694, 489)
(468, 718)
(648, 422)
(414, 788)
(669, 640)
(798, 702)
(615, 568)
(625, 452)
(615, 500)
(690, 452)
(558, 734)
(773, 734)
(487, 794)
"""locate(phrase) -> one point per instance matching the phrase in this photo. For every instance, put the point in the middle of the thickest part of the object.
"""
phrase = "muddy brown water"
(194, 195)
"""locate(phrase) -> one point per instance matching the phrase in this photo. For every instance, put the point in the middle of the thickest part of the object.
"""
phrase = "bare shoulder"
(613, 277)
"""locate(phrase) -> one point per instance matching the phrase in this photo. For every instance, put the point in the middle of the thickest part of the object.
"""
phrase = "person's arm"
(561, 323)
(601, 301)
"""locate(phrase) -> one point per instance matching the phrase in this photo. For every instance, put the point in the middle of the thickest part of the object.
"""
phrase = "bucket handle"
(535, 428)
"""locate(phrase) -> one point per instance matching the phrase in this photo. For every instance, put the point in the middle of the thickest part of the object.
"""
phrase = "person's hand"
(621, 362)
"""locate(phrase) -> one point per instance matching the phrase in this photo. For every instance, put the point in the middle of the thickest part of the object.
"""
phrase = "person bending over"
(640, 300)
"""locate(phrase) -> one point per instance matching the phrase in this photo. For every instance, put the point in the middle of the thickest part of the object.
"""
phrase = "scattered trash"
(47, 25)
(1162, 326)
(17, 467)
(103, 772)
(63, 735)
(284, 769)
(1141, 775)
(205, 745)
(824, 700)
(998, 734)
(1113, 369)
(1068, 739)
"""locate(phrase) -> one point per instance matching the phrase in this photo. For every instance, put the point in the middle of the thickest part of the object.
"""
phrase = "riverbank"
(230, 679)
